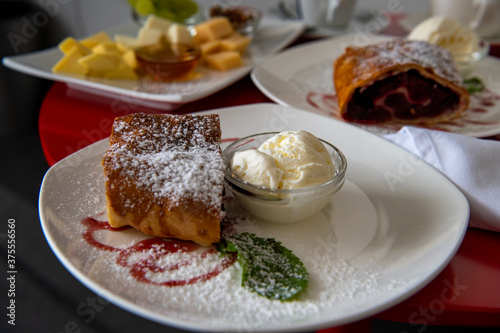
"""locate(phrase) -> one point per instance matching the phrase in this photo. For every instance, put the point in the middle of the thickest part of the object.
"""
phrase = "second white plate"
(303, 77)
(271, 37)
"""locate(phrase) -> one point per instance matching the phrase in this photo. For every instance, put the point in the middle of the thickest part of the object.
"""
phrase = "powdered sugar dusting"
(169, 156)
(400, 52)
(223, 302)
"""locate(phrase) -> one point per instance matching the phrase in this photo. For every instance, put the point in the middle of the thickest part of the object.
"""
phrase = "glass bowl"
(466, 62)
(168, 62)
(244, 19)
(281, 205)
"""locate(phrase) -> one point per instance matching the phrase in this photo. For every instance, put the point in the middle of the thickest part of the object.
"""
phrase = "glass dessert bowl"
(466, 62)
(282, 205)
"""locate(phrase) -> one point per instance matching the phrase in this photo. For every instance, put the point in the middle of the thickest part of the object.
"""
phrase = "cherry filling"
(405, 96)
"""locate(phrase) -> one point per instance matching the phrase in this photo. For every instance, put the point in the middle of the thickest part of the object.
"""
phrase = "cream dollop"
(288, 160)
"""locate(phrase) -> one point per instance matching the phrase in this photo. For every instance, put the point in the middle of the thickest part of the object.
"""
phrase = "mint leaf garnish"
(474, 85)
(269, 269)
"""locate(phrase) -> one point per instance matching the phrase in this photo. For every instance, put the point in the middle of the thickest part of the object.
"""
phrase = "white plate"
(389, 231)
(271, 37)
(303, 77)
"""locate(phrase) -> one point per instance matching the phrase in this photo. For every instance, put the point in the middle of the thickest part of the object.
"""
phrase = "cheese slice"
(156, 22)
(214, 28)
(69, 42)
(106, 48)
(147, 36)
(130, 59)
(235, 42)
(95, 39)
(210, 47)
(70, 64)
(224, 61)
(122, 72)
(100, 63)
(125, 43)
(178, 33)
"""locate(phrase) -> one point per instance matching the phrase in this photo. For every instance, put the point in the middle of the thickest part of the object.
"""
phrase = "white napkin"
(472, 164)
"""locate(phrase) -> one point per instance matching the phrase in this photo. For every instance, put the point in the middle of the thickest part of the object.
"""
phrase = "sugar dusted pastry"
(164, 176)
(399, 81)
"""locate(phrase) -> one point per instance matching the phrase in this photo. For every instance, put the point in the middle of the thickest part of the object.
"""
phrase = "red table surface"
(466, 292)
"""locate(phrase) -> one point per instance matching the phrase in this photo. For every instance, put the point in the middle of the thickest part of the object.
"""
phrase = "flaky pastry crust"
(164, 176)
(360, 67)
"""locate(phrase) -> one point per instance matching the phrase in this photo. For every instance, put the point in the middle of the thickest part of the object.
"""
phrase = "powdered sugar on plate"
(221, 299)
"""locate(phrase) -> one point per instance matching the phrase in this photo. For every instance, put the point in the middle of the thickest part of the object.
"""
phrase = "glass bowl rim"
(484, 48)
(336, 179)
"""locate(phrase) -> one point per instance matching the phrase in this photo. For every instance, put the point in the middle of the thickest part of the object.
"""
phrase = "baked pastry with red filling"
(164, 176)
(400, 81)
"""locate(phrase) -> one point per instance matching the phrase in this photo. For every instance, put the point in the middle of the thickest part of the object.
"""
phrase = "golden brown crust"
(360, 67)
(164, 176)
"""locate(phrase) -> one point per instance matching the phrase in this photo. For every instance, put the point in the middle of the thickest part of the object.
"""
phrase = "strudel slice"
(164, 176)
(399, 81)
